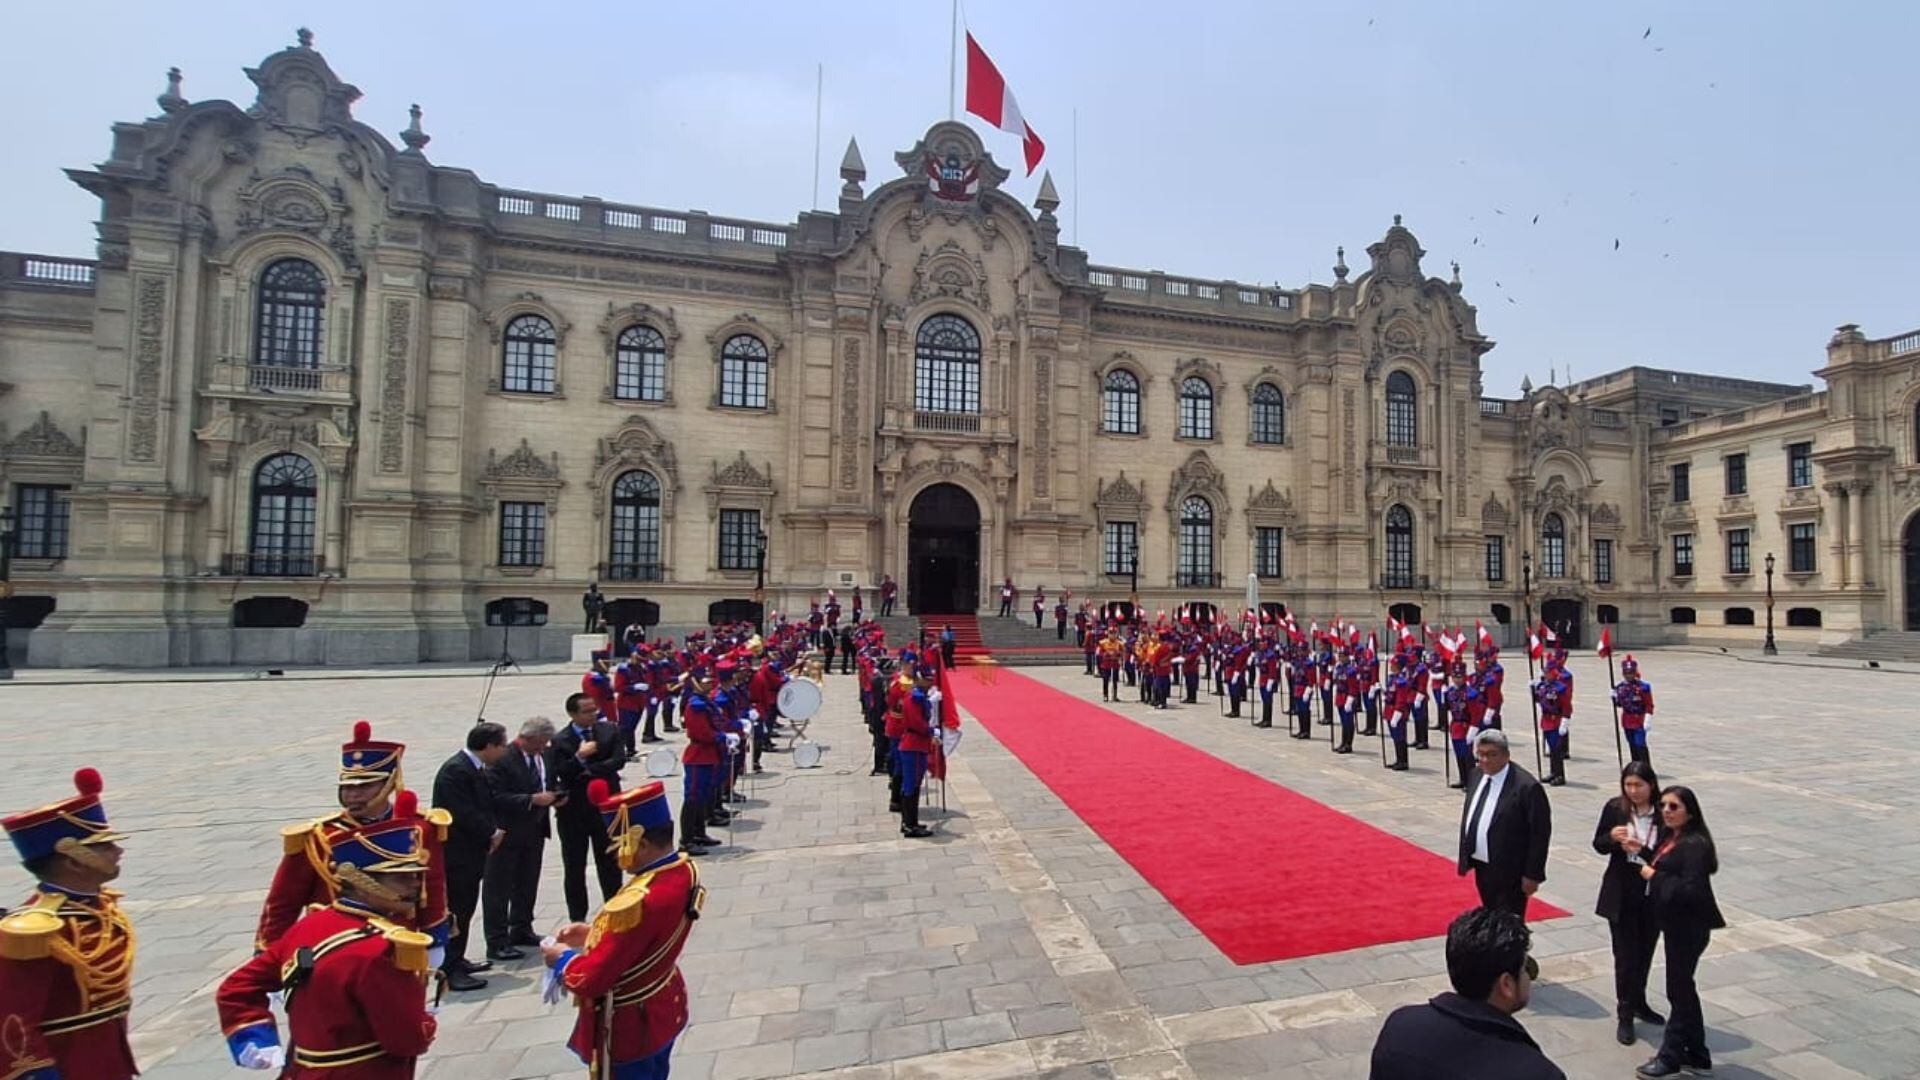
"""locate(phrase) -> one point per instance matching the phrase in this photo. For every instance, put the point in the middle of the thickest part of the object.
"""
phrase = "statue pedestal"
(584, 646)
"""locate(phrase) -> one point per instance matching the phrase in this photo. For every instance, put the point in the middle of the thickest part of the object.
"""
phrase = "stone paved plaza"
(1016, 943)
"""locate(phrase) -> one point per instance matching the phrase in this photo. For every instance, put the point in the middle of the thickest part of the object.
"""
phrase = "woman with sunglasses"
(1678, 877)
(1628, 834)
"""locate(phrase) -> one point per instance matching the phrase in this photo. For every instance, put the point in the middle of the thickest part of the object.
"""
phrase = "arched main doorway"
(1564, 617)
(1910, 563)
(943, 552)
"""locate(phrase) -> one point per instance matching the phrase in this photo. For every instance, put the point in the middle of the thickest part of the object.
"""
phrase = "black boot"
(647, 735)
(1346, 739)
(1557, 766)
(1419, 733)
(1266, 714)
(910, 820)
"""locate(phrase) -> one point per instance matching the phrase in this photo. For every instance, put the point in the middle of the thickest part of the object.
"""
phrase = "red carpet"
(1264, 873)
(967, 645)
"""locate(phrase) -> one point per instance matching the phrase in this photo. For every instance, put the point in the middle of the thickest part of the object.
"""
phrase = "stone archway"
(943, 552)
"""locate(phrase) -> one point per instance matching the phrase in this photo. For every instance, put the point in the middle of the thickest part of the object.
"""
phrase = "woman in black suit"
(1628, 833)
(1679, 877)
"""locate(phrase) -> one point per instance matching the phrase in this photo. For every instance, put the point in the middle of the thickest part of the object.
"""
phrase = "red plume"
(406, 805)
(87, 781)
(362, 731)
(598, 792)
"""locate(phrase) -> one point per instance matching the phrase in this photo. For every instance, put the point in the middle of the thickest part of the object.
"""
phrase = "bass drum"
(806, 754)
(662, 763)
(800, 699)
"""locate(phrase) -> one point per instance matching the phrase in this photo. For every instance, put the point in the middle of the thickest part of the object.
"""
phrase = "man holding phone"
(586, 749)
(520, 801)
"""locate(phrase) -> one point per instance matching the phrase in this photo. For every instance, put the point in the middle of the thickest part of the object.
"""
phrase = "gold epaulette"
(409, 947)
(293, 838)
(442, 820)
(29, 934)
(623, 911)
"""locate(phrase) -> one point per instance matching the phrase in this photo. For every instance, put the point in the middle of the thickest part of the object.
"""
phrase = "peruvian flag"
(1606, 643)
(1486, 639)
(990, 99)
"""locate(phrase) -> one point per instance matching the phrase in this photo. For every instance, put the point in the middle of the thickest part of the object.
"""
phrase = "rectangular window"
(1669, 417)
(523, 533)
(739, 539)
(1683, 555)
(1736, 474)
(1800, 548)
(1496, 558)
(1739, 552)
(1603, 562)
(1682, 483)
(1266, 551)
(42, 521)
(1120, 536)
(1800, 465)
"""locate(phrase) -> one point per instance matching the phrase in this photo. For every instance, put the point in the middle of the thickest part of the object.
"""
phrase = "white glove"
(1566, 725)
(753, 715)
(935, 696)
(733, 741)
(436, 956)
(263, 1057)
(640, 686)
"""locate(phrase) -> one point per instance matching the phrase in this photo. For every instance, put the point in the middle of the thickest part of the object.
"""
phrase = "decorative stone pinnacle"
(1456, 271)
(1340, 263)
(415, 138)
(1049, 198)
(172, 101)
(305, 37)
(852, 169)
(1396, 221)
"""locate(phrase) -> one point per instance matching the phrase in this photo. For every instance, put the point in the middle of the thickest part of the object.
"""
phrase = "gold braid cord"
(97, 945)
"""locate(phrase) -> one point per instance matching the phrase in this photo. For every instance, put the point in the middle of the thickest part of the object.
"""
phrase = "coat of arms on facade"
(951, 179)
(953, 163)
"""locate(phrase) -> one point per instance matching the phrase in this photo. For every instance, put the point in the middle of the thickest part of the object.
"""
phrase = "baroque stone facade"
(322, 399)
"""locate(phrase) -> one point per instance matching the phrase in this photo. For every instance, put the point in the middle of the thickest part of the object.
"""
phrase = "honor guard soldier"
(1111, 650)
(1458, 701)
(354, 976)
(1554, 692)
(1422, 675)
(919, 727)
(1190, 654)
(1400, 698)
(1349, 691)
(597, 684)
(700, 762)
(1492, 680)
(1300, 680)
(623, 970)
(369, 777)
(1269, 670)
(1370, 687)
(1634, 695)
(66, 956)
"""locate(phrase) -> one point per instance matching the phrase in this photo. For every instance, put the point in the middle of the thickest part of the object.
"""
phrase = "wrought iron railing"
(946, 421)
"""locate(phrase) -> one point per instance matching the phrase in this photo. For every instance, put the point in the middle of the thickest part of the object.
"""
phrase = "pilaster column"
(1857, 533)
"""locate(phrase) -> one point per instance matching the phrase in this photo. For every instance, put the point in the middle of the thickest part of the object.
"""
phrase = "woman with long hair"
(1679, 878)
(1628, 833)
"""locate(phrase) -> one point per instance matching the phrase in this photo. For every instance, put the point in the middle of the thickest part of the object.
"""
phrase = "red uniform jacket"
(302, 880)
(917, 722)
(628, 679)
(703, 737)
(599, 686)
(364, 1003)
(633, 953)
(897, 692)
(65, 987)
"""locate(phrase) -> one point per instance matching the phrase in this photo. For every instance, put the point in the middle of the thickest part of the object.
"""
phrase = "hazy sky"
(1757, 163)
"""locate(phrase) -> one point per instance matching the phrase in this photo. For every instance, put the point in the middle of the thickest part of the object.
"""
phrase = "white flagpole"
(953, 54)
(1075, 238)
(819, 90)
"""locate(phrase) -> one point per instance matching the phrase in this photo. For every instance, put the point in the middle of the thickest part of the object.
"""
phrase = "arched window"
(1196, 408)
(1196, 543)
(1269, 414)
(1553, 547)
(633, 550)
(1916, 432)
(946, 366)
(1403, 424)
(284, 501)
(292, 297)
(1120, 403)
(529, 356)
(1399, 547)
(640, 365)
(743, 372)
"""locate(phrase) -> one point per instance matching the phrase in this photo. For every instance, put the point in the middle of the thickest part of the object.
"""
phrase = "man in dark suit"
(586, 749)
(462, 789)
(1505, 827)
(520, 802)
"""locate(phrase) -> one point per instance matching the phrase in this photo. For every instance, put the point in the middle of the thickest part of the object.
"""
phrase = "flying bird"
(1647, 35)
(1536, 219)
(1616, 243)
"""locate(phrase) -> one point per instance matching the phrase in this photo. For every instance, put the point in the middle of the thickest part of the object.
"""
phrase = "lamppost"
(1526, 590)
(6, 585)
(1133, 568)
(1766, 650)
(760, 582)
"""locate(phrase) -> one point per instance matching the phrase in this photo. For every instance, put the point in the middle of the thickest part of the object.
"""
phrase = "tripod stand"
(502, 662)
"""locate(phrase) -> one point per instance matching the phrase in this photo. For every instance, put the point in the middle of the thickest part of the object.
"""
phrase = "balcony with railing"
(633, 571)
(45, 271)
(950, 422)
(1403, 455)
(238, 375)
(272, 566)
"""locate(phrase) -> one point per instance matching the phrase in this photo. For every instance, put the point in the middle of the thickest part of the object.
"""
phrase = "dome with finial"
(171, 101)
(415, 138)
(1340, 264)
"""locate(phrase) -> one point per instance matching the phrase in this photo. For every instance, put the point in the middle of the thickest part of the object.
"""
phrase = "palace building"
(320, 399)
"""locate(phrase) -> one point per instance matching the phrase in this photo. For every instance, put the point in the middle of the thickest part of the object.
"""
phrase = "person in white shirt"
(1505, 827)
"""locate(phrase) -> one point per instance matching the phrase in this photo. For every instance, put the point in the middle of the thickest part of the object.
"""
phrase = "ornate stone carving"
(1198, 476)
(523, 466)
(42, 439)
(393, 384)
(739, 483)
(1270, 498)
(635, 444)
(1120, 493)
(1493, 513)
(621, 316)
(149, 350)
(740, 473)
(1349, 452)
(849, 433)
(950, 271)
(526, 302)
(1042, 425)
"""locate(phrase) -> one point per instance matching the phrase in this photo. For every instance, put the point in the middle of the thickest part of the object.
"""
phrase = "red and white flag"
(1486, 639)
(990, 99)
(1606, 643)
